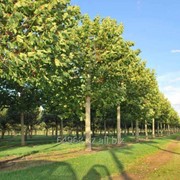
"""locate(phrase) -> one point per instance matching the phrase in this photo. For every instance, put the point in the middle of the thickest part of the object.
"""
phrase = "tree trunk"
(168, 130)
(88, 123)
(56, 131)
(158, 129)
(26, 132)
(132, 128)
(82, 130)
(128, 130)
(77, 131)
(2, 135)
(146, 130)
(52, 131)
(61, 128)
(153, 128)
(22, 130)
(118, 125)
(46, 131)
(161, 129)
(125, 129)
(105, 129)
(137, 131)
(164, 128)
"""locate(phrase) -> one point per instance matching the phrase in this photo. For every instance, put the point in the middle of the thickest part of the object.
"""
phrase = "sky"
(154, 26)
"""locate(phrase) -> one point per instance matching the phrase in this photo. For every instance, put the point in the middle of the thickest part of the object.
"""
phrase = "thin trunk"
(22, 130)
(2, 135)
(31, 131)
(137, 131)
(118, 125)
(46, 131)
(153, 128)
(82, 130)
(52, 131)
(56, 132)
(125, 130)
(26, 132)
(61, 128)
(146, 130)
(105, 129)
(161, 129)
(168, 126)
(158, 129)
(132, 128)
(128, 130)
(77, 131)
(88, 123)
(164, 128)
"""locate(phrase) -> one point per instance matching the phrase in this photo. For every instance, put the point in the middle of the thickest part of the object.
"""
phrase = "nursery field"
(44, 158)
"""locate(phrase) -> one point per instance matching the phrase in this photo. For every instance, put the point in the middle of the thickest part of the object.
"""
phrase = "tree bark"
(161, 129)
(2, 135)
(137, 131)
(56, 129)
(77, 131)
(61, 128)
(125, 129)
(105, 129)
(118, 125)
(22, 130)
(168, 129)
(164, 128)
(158, 129)
(146, 130)
(132, 127)
(88, 123)
(153, 128)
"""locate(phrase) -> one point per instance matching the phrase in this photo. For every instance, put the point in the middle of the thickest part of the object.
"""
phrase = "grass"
(45, 144)
(169, 170)
(95, 165)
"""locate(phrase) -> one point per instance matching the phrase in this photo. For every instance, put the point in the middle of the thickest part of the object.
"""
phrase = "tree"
(99, 63)
(35, 46)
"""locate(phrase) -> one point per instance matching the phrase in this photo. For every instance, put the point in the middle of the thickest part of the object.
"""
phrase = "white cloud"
(170, 86)
(175, 51)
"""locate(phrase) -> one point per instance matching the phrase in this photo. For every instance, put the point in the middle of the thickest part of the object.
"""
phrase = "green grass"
(45, 144)
(88, 166)
(169, 170)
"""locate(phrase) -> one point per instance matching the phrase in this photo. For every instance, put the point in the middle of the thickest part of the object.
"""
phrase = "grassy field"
(169, 170)
(103, 162)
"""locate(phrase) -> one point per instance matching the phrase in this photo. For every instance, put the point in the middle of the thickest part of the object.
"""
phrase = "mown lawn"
(170, 170)
(93, 166)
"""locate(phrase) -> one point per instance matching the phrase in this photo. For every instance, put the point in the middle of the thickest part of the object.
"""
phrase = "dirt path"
(15, 163)
(151, 164)
(140, 171)
(21, 162)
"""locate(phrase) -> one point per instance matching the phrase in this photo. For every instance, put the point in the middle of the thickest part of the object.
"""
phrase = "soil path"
(140, 171)
(152, 163)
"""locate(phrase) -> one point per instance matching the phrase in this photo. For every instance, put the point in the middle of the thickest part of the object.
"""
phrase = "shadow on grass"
(63, 170)
(10, 162)
(165, 150)
(120, 165)
(94, 173)
(44, 170)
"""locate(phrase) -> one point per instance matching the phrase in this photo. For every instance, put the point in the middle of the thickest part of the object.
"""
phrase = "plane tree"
(35, 43)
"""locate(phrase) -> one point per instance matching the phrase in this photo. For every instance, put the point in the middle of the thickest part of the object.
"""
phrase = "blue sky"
(154, 26)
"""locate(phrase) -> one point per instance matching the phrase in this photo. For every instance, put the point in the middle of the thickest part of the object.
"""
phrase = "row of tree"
(75, 68)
